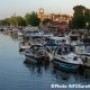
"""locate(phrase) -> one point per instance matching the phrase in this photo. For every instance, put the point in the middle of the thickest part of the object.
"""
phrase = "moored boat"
(84, 52)
(36, 54)
(65, 58)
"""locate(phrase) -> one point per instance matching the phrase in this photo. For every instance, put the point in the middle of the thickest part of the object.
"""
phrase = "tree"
(17, 21)
(20, 21)
(5, 22)
(27, 17)
(87, 17)
(13, 20)
(32, 19)
(78, 20)
(46, 21)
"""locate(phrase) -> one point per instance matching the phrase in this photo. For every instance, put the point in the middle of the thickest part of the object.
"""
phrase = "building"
(54, 17)
(42, 15)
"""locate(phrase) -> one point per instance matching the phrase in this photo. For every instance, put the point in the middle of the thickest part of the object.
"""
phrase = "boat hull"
(86, 60)
(66, 66)
(37, 59)
(23, 48)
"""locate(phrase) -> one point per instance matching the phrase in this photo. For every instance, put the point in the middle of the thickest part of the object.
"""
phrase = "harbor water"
(16, 75)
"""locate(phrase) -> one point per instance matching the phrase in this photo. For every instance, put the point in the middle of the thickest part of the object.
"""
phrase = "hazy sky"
(21, 7)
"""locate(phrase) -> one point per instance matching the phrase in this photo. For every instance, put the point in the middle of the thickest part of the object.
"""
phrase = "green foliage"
(87, 17)
(13, 21)
(27, 17)
(46, 21)
(80, 17)
(20, 21)
(32, 19)
(79, 8)
(78, 20)
(5, 22)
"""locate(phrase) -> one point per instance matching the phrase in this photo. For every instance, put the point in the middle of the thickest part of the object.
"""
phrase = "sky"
(21, 7)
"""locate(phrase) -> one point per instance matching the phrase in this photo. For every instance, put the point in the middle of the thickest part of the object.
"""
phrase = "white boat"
(73, 35)
(50, 51)
(36, 54)
(52, 42)
(20, 32)
(66, 59)
(57, 40)
(84, 52)
(35, 33)
(47, 35)
(23, 47)
(14, 32)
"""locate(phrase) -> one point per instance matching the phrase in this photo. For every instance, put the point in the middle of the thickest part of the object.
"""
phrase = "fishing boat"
(36, 53)
(66, 59)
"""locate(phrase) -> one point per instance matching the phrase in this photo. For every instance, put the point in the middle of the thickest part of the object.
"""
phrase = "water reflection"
(62, 75)
(59, 75)
(73, 77)
(16, 75)
(37, 67)
(14, 37)
(86, 73)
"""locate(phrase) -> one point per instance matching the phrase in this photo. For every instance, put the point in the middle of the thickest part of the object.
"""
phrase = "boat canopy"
(65, 49)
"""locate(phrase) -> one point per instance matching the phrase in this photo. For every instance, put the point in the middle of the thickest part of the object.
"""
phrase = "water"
(16, 75)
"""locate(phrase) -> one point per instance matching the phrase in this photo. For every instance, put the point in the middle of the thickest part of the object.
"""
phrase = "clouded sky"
(20, 7)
